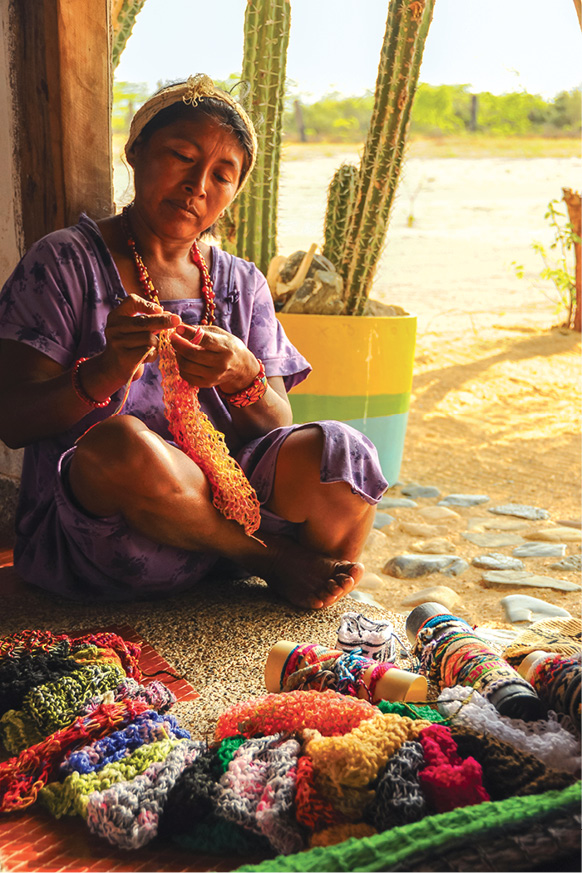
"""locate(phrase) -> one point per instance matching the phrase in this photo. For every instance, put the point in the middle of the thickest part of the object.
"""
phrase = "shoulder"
(229, 268)
(66, 244)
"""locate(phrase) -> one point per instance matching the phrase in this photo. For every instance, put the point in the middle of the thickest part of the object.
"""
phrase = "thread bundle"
(311, 666)
(557, 680)
(285, 772)
(451, 654)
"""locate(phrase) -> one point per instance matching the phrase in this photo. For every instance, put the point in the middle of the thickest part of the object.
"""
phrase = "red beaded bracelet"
(80, 391)
(251, 393)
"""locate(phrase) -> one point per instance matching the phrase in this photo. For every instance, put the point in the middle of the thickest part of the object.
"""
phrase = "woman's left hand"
(210, 357)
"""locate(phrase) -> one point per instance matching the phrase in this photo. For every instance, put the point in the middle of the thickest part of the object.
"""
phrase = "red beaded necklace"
(149, 289)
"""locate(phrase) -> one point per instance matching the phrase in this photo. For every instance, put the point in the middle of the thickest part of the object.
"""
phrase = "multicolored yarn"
(507, 771)
(32, 641)
(21, 673)
(356, 758)
(157, 695)
(311, 666)
(547, 740)
(22, 778)
(562, 636)
(127, 814)
(71, 796)
(407, 847)
(52, 706)
(57, 703)
(149, 727)
(338, 833)
(191, 797)
(312, 809)
(328, 712)
(450, 653)
(447, 780)
(226, 749)
(558, 679)
(18, 731)
(375, 639)
(399, 799)
(411, 710)
(258, 791)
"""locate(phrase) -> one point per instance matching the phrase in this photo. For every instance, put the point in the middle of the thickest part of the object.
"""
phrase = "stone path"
(422, 535)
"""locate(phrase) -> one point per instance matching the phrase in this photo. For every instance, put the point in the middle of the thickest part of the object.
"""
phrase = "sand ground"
(496, 389)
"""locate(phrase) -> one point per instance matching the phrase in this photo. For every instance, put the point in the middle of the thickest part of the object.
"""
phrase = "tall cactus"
(123, 15)
(406, 31)
(340, 200)
(266, 37)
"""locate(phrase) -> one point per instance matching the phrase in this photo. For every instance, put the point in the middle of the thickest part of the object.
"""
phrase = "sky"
(489, 45)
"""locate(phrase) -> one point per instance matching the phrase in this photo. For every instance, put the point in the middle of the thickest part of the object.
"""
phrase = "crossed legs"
(121, 466)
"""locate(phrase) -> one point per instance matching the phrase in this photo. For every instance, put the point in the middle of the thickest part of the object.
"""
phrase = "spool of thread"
(292, 666)
(557, 679)
(452, 654)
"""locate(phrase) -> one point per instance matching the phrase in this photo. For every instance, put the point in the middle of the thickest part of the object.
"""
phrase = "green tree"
(127, 98)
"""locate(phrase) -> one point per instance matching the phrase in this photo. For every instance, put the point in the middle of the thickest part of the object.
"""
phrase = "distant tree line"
(439, 110)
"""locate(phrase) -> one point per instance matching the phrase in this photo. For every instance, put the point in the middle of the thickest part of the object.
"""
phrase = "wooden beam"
(62, 77)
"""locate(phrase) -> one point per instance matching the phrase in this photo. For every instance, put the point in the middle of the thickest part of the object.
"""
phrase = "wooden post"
(62, 76)
(572, 199)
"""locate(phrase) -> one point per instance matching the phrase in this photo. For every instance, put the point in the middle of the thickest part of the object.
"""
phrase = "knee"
(112, 445)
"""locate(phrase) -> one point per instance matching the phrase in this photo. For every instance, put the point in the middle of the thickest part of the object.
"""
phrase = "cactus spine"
(266, 37)
(340, 199)
(406, 31)
(123, 15)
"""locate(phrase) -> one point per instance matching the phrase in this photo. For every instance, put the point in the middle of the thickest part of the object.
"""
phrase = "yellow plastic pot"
(362, 375)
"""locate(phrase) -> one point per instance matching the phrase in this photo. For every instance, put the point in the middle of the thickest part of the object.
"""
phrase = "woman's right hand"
(131, 335)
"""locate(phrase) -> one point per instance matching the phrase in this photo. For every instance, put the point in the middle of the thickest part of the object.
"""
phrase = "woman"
(109, 505)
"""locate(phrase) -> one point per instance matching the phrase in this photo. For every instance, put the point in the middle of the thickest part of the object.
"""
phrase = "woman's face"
(186, 175)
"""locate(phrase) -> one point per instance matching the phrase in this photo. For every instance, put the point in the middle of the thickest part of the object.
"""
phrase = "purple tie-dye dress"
(57, 301)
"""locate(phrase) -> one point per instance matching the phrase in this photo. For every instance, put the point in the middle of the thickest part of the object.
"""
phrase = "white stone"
(437, 593)
(438, 546)
(554, 535)
(370, 582)
(490, 540)
(500, 523)
(439, 515)
(418, 530)
(519, 578)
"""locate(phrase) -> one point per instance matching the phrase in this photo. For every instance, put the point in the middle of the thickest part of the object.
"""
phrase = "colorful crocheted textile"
(447, 780)
(390, 787)
(407, 847)
(328, 712)
(127, 814)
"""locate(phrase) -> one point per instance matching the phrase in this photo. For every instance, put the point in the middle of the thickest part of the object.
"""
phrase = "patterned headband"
(191, 93)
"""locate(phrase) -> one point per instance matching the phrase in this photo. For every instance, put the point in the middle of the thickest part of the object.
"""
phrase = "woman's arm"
(37, 397)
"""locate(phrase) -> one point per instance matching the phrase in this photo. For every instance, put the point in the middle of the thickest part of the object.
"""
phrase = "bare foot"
(307, 578)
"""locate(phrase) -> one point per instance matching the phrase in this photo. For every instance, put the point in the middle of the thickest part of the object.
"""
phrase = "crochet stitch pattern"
(356, 758)
(71, 796)
(328, 712)
(547, 740)
(446, 779)
(399, 799)
(398, 848)
(127, 814)
(149, 727)
(233, 495)
(388, 787)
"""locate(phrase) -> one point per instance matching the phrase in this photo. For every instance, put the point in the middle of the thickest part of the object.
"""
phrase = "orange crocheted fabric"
(232, 493)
